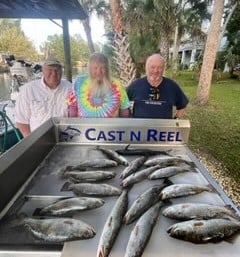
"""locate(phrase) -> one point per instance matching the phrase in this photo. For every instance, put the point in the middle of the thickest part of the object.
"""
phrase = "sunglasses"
(154, 94)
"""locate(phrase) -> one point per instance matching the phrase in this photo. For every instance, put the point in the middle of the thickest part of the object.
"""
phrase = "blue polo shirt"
(150, 102)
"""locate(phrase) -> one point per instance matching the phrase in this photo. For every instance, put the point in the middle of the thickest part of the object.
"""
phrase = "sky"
(39, 29)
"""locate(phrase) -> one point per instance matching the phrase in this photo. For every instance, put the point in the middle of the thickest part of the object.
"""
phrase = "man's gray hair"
(101, 58)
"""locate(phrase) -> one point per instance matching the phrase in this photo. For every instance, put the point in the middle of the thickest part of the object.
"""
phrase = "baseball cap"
(52, 61)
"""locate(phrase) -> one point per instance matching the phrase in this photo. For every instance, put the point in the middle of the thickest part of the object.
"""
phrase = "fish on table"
(138, 176)
(95, 163)
(92, 189)
(168, 161)
(133, 166)
(204, 231)
(178, 190)
(112, 225)
(143, 202)
(142, 232)
(88, 176)
(187, 211)
(140, 151)
(114, 156)
(71, 205)
(56, 229)
(168, 172)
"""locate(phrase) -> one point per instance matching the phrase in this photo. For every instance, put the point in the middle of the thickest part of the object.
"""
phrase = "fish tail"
(167, 182)
(62, 173)
(101, 253)
(17, 220)
(191, 164)
(66, 186)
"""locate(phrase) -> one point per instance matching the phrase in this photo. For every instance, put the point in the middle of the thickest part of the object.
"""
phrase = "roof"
(42, 9)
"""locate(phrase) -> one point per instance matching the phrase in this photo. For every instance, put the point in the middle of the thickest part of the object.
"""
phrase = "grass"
(215, 128)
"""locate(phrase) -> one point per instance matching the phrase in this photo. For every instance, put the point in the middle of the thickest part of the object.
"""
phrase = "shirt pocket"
(39, 108)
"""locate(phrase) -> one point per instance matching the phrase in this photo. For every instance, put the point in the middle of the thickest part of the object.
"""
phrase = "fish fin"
(110, 221)
(66, 186)
(167, 202)
(136, 230)
(38, 212)
(69, 168)
(127, 146)
(125, 219)
(168, 182)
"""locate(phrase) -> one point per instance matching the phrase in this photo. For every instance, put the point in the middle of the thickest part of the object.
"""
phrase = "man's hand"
(180, 113)
(24, 128)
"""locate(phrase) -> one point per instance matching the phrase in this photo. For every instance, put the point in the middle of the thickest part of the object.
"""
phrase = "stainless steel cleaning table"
(29, 179)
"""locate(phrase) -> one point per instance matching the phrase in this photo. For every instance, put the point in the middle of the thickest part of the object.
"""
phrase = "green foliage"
(233, 32)
(14, 41)
(215, 127)
(221, 60)
(150, 21)
(79, 48)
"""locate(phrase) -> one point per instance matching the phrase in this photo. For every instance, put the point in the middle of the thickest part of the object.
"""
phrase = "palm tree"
(190, 15)
(210, 53)
(122, 57)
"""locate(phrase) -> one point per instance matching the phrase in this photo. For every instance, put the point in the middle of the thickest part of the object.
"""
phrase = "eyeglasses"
(154, 94)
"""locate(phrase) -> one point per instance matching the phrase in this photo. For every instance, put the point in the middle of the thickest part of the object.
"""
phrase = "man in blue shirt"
(154, 96)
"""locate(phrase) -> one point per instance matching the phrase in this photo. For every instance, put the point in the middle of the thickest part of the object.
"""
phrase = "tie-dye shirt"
(90, 106)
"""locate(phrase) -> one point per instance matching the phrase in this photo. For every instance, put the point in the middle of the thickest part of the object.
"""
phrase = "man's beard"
(100, 88)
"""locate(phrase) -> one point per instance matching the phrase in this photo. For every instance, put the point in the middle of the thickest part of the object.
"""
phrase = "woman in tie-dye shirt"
(97, 95)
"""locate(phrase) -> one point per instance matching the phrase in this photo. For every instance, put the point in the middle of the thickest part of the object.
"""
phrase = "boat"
(21, 72)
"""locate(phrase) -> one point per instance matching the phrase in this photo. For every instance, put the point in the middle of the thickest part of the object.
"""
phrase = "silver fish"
(179, 190)
(89, 176)
(142, 231)
(138, 176)
(133, 166)
(188, 211)
(204, 231)
(92, 189)
(143, 203)
(114, 156)
(168, 161)
(58, 229)
(96, 163)
(71, 205)
(168, 172)
(112, 226)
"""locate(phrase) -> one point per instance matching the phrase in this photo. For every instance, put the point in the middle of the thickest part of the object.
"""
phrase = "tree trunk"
(164, 44)
(210, 53)
(123, 60)
(87, 29)
(176, 46)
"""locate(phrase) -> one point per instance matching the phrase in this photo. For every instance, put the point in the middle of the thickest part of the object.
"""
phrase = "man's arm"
(24, 128)
(124, 113)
